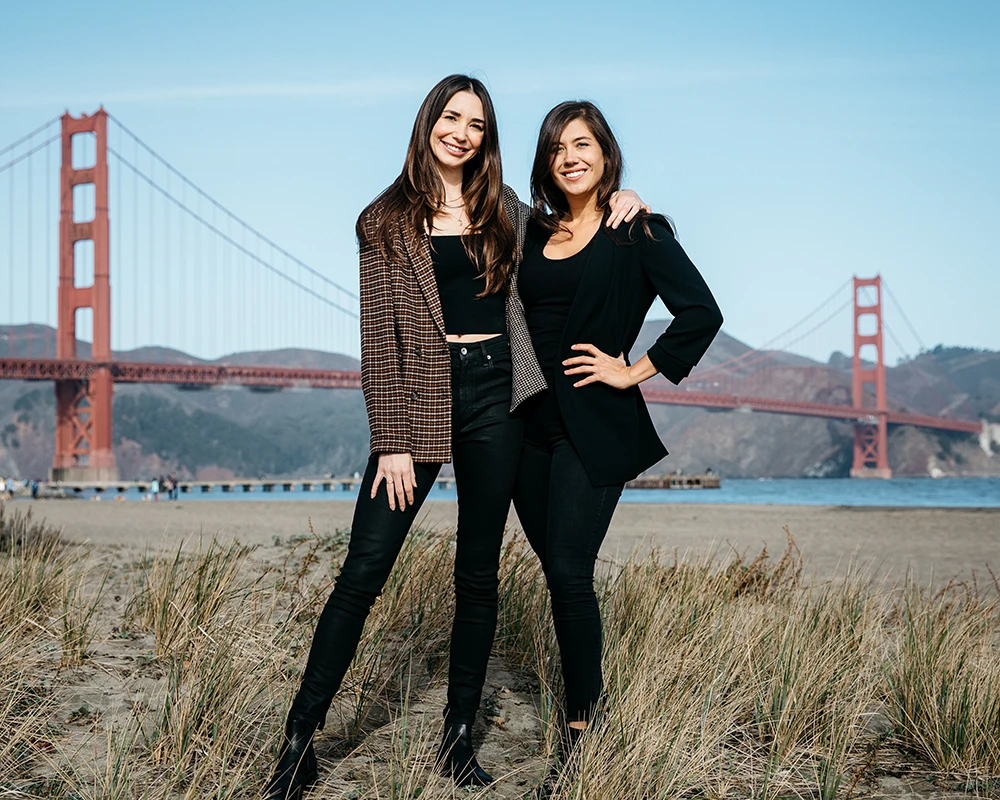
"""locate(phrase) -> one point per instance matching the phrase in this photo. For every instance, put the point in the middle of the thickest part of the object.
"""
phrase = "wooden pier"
(235, 486)
(320, 485)
(675, 482)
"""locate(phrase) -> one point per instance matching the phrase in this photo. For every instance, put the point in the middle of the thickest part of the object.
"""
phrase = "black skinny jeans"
(565, 518)
(485, 442)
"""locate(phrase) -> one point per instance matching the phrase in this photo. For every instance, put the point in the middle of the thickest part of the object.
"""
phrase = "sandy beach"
(938, 542)
(123, 675)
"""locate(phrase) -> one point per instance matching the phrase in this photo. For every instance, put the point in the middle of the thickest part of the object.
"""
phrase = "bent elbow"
(711, 318)
(716, 319)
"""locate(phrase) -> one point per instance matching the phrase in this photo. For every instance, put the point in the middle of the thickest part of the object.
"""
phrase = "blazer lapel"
(419, 248)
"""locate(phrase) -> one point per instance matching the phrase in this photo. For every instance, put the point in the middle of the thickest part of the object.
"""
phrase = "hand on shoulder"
(645, 228)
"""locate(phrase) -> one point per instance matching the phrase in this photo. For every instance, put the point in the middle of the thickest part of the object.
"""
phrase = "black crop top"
(458, 282)
(548, 287)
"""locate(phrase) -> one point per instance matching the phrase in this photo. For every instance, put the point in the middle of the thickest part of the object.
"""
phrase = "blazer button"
(414, 396)
(418, 352)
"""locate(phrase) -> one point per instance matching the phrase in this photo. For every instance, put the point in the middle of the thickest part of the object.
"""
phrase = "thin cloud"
(518, 81)
(361, 90)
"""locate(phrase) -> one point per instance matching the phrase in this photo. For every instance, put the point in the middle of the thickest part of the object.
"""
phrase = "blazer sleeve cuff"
(669, 367)
(390, 442)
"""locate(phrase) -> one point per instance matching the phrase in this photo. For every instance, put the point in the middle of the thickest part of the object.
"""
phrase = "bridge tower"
(83, 407)
(871, 448)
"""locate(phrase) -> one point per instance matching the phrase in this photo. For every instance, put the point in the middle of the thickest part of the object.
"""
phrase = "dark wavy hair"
(418, 193)
(548, 201)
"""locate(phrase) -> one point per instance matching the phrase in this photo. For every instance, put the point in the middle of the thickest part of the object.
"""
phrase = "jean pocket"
(500, 360)
(493, 383)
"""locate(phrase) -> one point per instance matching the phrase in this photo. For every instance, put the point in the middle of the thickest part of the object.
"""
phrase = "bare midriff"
(471, 337)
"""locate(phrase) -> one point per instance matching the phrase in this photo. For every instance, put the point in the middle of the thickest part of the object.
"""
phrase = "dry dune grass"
(724, 678)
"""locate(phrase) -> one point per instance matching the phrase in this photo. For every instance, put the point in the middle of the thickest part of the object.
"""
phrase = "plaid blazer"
(405, 364)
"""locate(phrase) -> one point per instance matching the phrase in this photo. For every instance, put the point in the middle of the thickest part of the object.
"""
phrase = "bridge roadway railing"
(52, 369)
(284, 377)
(768, 405)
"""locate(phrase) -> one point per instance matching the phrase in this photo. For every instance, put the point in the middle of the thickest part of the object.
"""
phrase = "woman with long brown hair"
(586, 290)
(444, 356)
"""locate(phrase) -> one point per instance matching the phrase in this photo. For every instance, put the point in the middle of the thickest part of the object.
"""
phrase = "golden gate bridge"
(189, 270)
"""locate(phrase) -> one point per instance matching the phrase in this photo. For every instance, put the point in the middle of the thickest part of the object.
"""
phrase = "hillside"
(229, 431)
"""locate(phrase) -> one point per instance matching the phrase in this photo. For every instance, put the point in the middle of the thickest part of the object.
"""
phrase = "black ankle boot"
(296, 768)
(457, 758)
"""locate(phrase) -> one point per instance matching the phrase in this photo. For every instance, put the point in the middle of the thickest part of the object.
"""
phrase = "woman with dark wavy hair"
(445, 356)
(586, 290)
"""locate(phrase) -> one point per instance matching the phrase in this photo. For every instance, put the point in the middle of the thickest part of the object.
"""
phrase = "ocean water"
(898, 492)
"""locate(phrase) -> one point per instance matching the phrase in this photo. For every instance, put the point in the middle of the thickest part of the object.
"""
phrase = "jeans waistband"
(478, 352)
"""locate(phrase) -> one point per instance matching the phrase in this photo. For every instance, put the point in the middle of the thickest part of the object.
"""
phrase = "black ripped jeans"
(565, 518)
(485, 443)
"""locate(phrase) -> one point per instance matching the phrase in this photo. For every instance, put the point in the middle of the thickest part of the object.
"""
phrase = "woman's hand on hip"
(396, 469)
(599, 367)
(624, 205)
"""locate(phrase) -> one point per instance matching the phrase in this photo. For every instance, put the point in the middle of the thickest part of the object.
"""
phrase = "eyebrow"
(459, 113)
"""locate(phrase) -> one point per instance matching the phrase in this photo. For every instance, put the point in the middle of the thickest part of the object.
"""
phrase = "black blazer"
(610, 428)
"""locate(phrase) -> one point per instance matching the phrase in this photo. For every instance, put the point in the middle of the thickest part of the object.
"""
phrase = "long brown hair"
(418, 193)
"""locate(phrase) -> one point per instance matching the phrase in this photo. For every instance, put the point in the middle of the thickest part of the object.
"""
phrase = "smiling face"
(458, 133)
(577, 160)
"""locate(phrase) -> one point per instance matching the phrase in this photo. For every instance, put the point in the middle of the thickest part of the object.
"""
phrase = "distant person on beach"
(444, 356)
(154, 488)
(586, 289)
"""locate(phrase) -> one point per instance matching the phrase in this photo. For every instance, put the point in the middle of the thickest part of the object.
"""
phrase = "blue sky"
(794, 144)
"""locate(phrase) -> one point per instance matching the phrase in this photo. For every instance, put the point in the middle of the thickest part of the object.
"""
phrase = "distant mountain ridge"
(39, 341)
(228, 431)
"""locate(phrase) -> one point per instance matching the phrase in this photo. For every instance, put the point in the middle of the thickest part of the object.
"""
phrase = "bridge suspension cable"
(763, 353)
(29, 136)
(944, 406)
(227, 237)
(888, 328)
(27, 154)
(187, 182)
(26, 218)
(902, 313)
(754, 356)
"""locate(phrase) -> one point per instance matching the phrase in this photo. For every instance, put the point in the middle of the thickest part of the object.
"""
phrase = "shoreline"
(968, 493)
(932, 543)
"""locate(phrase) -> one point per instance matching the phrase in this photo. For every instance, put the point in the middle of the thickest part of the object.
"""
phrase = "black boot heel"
(570, 739)
(457, 758)
(296, 769)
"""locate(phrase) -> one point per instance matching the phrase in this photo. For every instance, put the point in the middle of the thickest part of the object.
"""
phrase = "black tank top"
(548, 287)
(458, 283)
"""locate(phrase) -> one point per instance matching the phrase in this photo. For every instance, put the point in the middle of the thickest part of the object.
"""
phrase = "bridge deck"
(281, 377)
